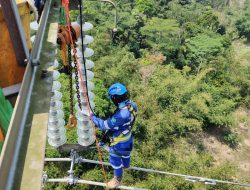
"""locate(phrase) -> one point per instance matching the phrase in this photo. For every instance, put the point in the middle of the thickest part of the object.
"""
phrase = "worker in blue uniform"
(118, 128)
(39, 5)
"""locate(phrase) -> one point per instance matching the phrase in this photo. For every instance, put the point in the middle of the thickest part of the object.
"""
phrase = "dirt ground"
(242, 51)
(239, 156)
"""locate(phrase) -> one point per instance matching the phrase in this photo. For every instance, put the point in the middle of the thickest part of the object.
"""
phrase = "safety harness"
(126, 134)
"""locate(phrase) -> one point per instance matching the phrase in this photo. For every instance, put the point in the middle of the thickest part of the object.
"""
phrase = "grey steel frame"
(13, 22)
(34, 98)
(78, 159)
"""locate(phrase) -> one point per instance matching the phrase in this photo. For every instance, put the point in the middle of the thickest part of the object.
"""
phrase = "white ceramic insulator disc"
(33, 38)
(89, 64)
(90, 75)
(84, 125)
(88, 52)
(34, 26)
(56, 85)
(56, 105)
(87, 26)
(86, 142)
(55, 115)
(56, 95)
(56, 64)
(56, 124)
(53, 134)
(90, 94)
(91, 86)
(78, 52)
(85, 104)
(87, 39)
(85, 134)
(80, 61)
(57, 142)
(81, 116)
(56, 75)
(84, 99)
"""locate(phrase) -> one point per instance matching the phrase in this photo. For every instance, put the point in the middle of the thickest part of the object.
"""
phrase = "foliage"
(232, 139)
(145, 6)
(162, 34)
(203, 47)
(128, 33)
(243, 25)
(209, 20)
(184, 2)
(120, 67)
(214, 3)
(188, 13)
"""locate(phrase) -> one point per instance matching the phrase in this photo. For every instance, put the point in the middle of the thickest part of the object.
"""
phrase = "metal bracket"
(34, 62)
(206, 181)
(74, 155)
(74, 159)
(44, 178)
(72, 180)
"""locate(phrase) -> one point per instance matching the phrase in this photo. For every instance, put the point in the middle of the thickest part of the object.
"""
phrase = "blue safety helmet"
(116, 89)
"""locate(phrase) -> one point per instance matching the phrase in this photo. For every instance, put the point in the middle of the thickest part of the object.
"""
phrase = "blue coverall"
(37, 4)
(119, 123)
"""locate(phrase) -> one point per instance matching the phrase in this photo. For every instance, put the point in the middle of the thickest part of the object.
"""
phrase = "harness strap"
(120, 138)
(126, 134)
(132, 111)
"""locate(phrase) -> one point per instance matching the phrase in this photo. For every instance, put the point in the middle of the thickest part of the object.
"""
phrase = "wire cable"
(81, 181)
(207, 181)
(84, 60)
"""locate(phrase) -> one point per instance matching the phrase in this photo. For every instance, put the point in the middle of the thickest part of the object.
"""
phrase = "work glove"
(104, 146)
(101, 144)
(94, 119)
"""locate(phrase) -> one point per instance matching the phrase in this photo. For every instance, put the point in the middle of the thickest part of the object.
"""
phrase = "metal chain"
(77, 85)
(70, 82)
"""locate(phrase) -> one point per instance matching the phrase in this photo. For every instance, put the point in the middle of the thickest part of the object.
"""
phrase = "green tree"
(243, 25)
(162, 34)
(209, 20)
(129, 31)
(203, 47)
(145, 6)
(119, 66)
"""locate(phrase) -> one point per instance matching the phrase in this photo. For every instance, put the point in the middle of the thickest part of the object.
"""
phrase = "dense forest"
(185, 66)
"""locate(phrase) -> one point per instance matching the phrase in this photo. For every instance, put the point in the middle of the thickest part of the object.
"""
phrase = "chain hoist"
(72, 121)
(77, 85)
(70, 80)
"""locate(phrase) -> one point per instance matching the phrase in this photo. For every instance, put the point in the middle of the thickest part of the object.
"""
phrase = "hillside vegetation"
(178, 60)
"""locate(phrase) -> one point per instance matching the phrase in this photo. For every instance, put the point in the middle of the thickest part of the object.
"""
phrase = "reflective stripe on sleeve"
(128, 123)
(125, 132)
(106, 124)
